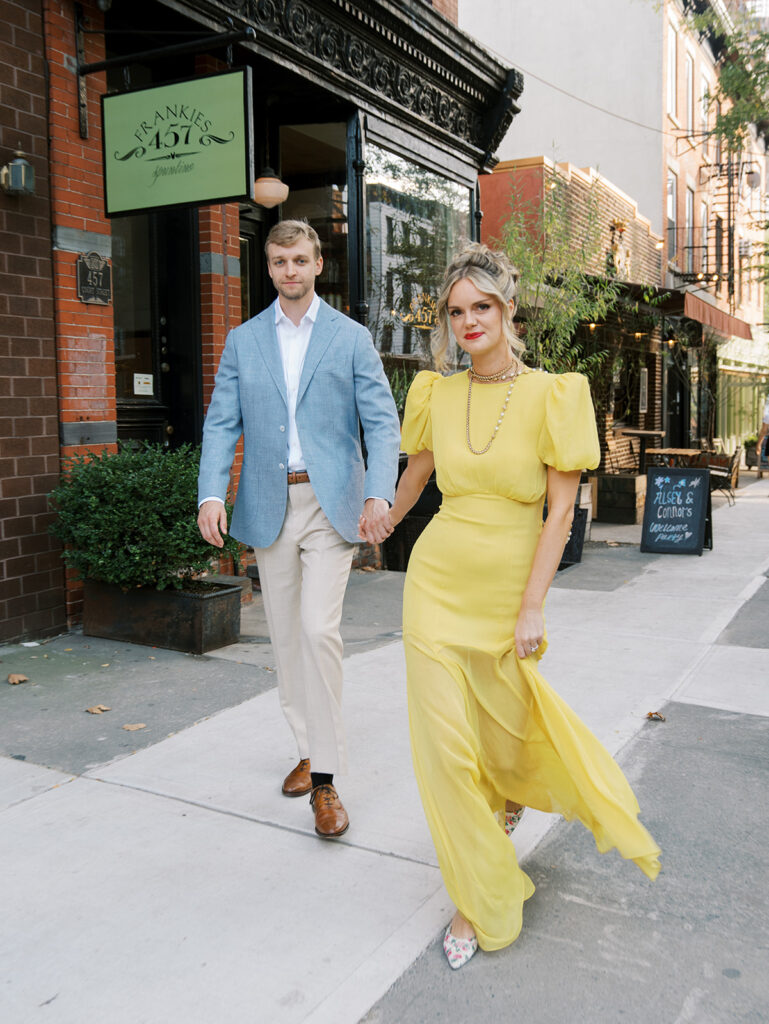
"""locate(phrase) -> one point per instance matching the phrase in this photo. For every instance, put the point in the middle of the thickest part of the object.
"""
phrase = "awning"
(704, 313)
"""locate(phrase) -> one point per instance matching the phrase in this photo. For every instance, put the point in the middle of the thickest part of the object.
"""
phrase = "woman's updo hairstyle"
(493, 274)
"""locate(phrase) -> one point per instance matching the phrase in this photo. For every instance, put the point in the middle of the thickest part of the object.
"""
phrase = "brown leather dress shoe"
(298, 781)
(330, 816)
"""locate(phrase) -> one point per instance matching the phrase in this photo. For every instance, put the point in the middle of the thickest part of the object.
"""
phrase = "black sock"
(321, 779)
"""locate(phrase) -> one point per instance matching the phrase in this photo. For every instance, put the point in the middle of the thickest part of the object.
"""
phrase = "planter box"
(585, 501)
(572, 553)
(397, 547)
(194, 621)
(620, 498)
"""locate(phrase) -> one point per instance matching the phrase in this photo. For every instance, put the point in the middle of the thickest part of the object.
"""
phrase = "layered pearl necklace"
(508, 372)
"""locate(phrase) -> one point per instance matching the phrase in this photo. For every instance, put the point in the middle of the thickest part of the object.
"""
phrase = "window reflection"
(416, 222)
(314, 166)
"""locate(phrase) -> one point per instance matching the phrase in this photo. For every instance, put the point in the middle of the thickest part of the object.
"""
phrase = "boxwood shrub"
(130, 518)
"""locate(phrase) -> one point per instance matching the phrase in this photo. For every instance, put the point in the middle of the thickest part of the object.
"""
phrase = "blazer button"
(282, 428)
(281, 466)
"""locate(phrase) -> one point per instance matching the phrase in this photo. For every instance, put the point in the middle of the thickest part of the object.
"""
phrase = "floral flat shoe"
(511, 820)
(458, 951)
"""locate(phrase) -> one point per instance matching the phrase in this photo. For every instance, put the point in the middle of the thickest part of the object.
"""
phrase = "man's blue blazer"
(342, 383)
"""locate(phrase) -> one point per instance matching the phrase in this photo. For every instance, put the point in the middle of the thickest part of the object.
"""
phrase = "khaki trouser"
(304, 575)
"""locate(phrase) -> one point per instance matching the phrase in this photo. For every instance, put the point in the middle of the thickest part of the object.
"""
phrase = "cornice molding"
(402, 57)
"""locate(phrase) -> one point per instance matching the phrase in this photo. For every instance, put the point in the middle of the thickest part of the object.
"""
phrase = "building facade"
(31, 571)
(628, 92)
(607, 226)
(363, 112)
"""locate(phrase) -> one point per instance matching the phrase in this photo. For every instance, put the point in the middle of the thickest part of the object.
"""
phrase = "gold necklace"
(499, 375)
(498, 424)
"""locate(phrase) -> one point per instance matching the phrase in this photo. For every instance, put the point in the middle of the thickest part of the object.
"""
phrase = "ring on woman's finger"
(533, 647)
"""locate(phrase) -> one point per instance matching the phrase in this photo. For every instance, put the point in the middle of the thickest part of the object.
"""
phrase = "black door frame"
(173, 415)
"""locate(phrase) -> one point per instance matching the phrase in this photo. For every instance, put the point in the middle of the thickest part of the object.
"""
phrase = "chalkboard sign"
(677, 511)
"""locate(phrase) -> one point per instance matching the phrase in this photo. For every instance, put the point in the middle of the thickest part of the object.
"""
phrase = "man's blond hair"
(287, 232)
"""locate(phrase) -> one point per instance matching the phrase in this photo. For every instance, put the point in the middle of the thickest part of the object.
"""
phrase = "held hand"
(529, 632)
(212, 522)
(374, 525)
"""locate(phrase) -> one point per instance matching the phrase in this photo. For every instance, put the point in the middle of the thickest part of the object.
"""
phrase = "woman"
(488, 734)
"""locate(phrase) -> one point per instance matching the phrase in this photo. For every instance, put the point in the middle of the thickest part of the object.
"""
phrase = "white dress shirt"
(293, 341)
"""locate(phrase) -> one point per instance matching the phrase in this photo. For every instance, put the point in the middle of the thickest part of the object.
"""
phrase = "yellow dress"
(485, 726)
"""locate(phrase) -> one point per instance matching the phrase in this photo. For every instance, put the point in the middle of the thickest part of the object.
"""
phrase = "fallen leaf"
(655, 716)
(67, 648)
(367, 568)
(105, 665)
(133, 728)
(16, 677)
(97, 709)
(151, 657)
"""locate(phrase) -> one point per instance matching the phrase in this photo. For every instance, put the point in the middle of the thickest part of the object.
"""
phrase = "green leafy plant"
(555, 243)
(400, 380)
(129, 518)
(739, 104)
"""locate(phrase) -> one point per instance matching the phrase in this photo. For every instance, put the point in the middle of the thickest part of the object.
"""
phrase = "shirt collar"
(311, 314)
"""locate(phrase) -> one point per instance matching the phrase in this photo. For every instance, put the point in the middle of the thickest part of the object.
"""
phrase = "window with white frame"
(672, 70)
(672, 213)
(704, 119)
(704, 237)
(689, 71)
(689, 231)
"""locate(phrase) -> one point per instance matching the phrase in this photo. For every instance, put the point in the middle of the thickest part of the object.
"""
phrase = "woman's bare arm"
(561, 493)
(410, 486)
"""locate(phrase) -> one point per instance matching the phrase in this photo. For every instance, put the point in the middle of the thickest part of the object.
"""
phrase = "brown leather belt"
(299, 478)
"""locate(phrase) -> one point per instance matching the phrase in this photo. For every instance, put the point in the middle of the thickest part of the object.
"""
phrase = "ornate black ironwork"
(412, 60)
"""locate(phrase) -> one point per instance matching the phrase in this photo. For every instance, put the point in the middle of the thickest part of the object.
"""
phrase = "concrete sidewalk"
(158, 875)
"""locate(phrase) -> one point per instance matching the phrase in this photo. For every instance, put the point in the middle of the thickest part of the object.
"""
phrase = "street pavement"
(157, 875)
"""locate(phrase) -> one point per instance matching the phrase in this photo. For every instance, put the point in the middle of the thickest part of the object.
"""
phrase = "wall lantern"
(269, 190)
(17, 178)
(753, 179)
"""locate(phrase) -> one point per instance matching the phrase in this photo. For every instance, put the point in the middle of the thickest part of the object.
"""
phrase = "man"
(297, 381)
(763, 431)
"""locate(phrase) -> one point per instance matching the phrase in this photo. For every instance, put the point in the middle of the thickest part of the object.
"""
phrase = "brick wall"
(85, 340)
(32, 594)
(219, 295)
(448, 8)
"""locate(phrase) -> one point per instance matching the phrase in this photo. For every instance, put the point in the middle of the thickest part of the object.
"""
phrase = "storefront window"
(134, 377)
(416, 222)
(314, 166)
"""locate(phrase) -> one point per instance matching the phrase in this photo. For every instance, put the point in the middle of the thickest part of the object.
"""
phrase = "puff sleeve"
(417, 431)
(569, 440)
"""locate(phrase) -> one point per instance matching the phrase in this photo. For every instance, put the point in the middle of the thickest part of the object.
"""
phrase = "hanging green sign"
(178, 144)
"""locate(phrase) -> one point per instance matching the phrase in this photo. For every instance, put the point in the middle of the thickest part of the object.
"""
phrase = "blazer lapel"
(266, 338)
(326, 325)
